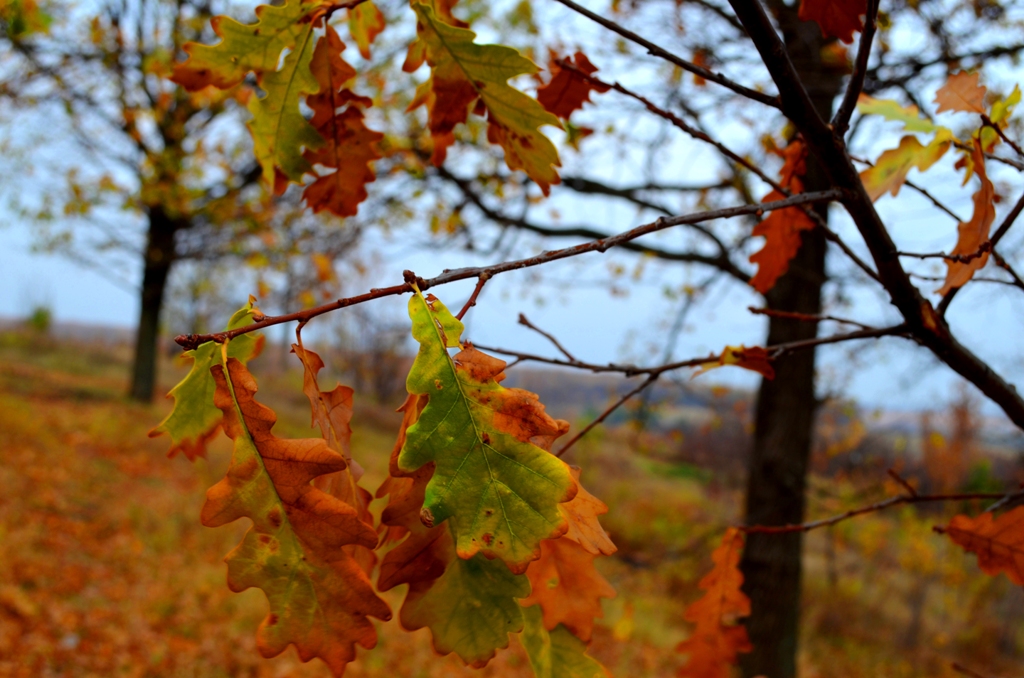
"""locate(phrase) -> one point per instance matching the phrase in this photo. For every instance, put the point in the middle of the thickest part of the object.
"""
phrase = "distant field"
(106, 571)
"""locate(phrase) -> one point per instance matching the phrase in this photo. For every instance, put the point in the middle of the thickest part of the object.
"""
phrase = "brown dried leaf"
(961, 93)
(567, 91)
(974, 233)
(998, 542)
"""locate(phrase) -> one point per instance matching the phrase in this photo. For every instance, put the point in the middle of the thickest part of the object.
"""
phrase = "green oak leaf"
(470, 609)
(500, 491)
(195, 418)
(556, 653)
(910, 116)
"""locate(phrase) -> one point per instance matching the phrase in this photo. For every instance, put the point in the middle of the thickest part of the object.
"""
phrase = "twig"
(879, 506)
(960, 668)
(678, 122)
(604, 415)
(191, 341)
(983, 249)
(902, 481)
(920, 189)
(807, 317)
(841, 120)
(1007, 501)
(523, 321)
(782, 349)
(1002, 263)
(657, 51)
(471, 302)
(987, 122)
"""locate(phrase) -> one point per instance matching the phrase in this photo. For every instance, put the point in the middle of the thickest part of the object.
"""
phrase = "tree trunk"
(158, 259)
(784, 418)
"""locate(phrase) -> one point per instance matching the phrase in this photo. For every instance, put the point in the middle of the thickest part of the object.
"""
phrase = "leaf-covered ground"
(105, 569)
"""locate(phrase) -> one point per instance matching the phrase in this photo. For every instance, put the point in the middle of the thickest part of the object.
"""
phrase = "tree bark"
(158, 259)
(784, 419)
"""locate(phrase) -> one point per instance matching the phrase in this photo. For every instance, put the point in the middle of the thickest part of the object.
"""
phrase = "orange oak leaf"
(837, 18)
(781, 228)
(717, 639)
(754, 358)
(365, 23)
(350, 146)
(567, 91)
(332, 412)
(961, 93)
(998, 542)
(973, 234)
(320, 598)
(584, 528)
(567, 587)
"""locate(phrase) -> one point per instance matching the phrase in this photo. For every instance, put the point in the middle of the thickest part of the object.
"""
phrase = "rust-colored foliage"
(567, 90)
(998, 542)
(567, 587)
(961, 93)
(972, 234)
(781, 228)
(584, 528)
(717, 639)
(350, 147)
(320, 598)
(332, 412)
(755, 359)
(837, 18)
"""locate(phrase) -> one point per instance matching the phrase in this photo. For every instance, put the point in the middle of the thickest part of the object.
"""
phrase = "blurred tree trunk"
(784, 418)
(158, 258)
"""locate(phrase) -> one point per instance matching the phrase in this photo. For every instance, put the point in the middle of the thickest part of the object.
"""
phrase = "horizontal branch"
(871, 508)
(191, 341)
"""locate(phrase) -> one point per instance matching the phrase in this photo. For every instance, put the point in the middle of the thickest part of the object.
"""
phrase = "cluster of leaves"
(491, 532)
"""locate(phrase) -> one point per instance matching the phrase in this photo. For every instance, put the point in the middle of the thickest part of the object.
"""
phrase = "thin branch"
(902, 481)
(987, 122)
(920, 189)
(471, 302)
(678, 122)
(970, 673)
(602, 245)
(1011, 499)
(871, 508)
(841, 120)
(983, 249)
(807, 317)
(604, 415)
(1003, 264)
(657, 51)
(525, 322)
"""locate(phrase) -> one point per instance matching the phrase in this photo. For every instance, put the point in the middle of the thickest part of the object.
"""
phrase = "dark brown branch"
(1003, 264)
(525, 322)
(922, 320)
(872, 508)
(920, 189)
(872, 333)
(604, 415)
(471, 302)
(662, 53)
(841, 120)
(987, 122)
(191, 341)
(983, 249)
(970, 673)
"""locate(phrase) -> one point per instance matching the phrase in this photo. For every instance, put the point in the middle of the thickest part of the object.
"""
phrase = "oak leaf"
(836, 18)
(488, 476)
(781, 228)
(755, 359)
(279, 129)
(194, 420)
(567, 90)
(581, 513)
(973, 234)
(466, 76)
(998, 542)
(910, 116)
(557, 653)
(567, 587)
(365, 23)
(889, 172)
(469, 606)
(349, 147)
(1002, 110)
(332, 413)
(717, 639)
(320, 598)
(961, 93)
